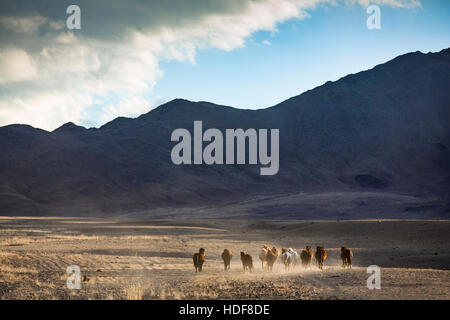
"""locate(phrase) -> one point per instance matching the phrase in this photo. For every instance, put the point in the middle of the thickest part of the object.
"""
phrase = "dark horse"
(199, 260)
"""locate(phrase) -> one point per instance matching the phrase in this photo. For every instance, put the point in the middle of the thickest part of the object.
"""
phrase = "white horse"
(263, 256)
(289, 257)
(296, 256)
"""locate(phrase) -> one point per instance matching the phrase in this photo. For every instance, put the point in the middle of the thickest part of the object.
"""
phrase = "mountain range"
(369, 145)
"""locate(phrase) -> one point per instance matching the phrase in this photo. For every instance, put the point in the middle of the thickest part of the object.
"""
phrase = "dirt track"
(144, 259)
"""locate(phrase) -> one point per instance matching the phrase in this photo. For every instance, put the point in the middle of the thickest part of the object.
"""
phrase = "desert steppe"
(123, 258)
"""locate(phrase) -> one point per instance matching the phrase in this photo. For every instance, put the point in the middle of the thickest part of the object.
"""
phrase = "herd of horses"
(268, 256)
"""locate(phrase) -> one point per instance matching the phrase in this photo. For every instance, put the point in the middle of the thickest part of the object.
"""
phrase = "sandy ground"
(149, 259)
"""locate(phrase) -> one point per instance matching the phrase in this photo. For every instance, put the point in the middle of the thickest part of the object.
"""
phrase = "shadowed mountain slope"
(385, 130)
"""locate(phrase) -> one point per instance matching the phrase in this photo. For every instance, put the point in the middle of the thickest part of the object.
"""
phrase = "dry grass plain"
(152, 259)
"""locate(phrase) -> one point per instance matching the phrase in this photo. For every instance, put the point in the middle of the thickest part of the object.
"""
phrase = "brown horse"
(271, 257)
(321, 256)
(199, 260)
(247, 261)
(306, 256)
(226, 257)
(346, 256)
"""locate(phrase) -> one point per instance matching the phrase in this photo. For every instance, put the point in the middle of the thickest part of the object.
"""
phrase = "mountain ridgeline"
(381, 131)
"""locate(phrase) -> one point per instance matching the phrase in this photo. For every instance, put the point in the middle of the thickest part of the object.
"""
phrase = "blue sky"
(131, 56)
(333, 42)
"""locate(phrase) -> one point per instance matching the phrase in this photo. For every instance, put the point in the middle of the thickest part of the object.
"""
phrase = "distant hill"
(381, 131)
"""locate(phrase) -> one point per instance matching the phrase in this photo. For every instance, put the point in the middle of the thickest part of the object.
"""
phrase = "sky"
(128, 57)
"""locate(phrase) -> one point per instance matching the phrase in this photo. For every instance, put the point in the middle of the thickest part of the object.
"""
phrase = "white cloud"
(43, 109)
(132, 105)
(68, 73)
(23, 24)
(16, 65)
